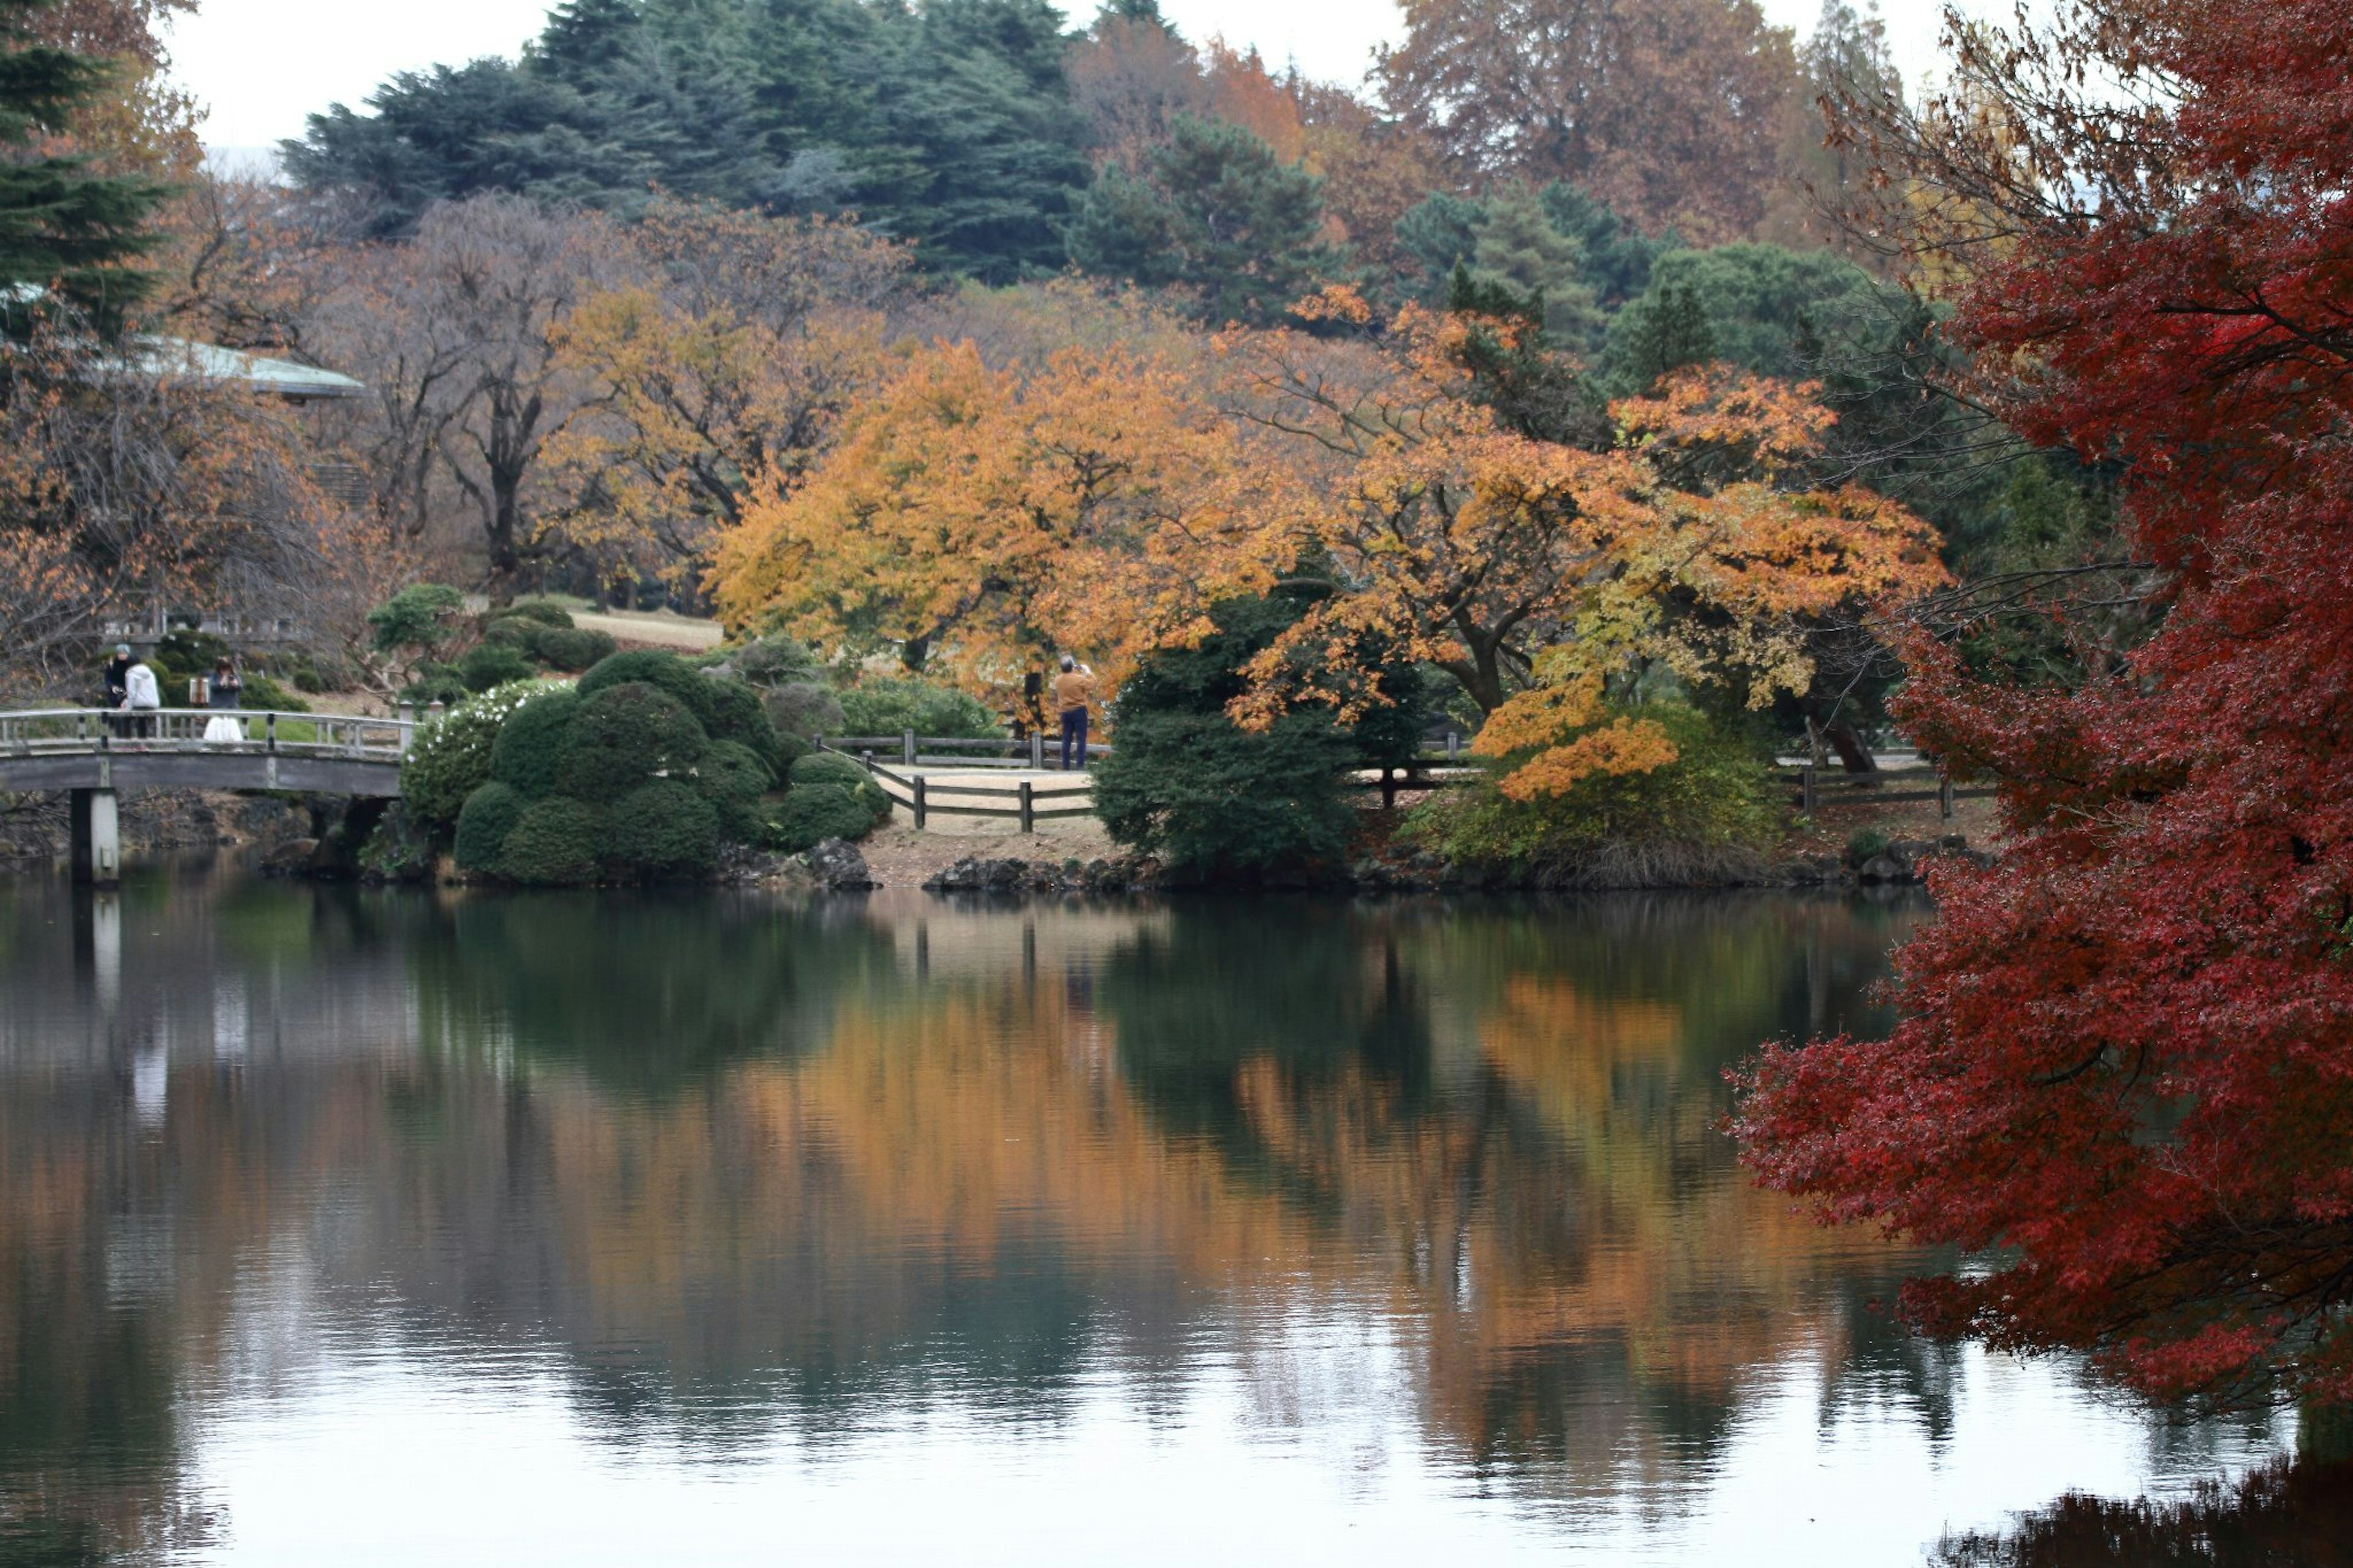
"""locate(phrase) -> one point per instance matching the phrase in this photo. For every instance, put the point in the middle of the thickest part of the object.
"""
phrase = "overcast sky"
(262, 65)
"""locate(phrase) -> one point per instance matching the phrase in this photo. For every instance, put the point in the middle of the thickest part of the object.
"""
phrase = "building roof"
(210, 361)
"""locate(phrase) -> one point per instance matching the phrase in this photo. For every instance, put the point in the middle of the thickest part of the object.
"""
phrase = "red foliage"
(2125, 1078)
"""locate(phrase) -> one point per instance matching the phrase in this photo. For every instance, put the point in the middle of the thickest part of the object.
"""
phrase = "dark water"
(388, 1227)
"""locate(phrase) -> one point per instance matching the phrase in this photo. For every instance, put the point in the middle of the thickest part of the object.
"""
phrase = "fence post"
(1029, 808)
(867, 757)
(1945, 794)
(269, 730)
(1453, 745)
(919, 802)
(1806, 791)
(407, 711)
(907, 747)
(1038, 750)
(1388, 789)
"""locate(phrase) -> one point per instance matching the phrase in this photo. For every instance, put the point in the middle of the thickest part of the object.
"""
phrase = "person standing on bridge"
(223, 694)
(1073, 690)
(142, 698)
(118, 684)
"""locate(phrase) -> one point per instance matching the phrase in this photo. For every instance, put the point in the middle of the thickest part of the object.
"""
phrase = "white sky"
(262, 65)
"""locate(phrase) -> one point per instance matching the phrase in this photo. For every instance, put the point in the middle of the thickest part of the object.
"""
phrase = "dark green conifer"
(63, 228)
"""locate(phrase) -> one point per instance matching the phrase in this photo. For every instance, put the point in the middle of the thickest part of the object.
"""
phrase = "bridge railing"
(70, 732)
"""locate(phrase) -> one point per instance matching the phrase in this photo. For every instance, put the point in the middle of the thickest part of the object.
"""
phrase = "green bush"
(529, 751)
(418, 616)
(451, 758)
(814, 813)
(1865, 843)
(265, 695)
(1212, 800)
(624, 736)
(662, 829)
(542, 611)
(434, 683)
(493, 664)
(490, 814)
(567, 648)
(772, 662)
(1708, 813)
(650, 667)
(879, 706)
(804, 710)
(831, 769)
(553, 845)
(735, 777)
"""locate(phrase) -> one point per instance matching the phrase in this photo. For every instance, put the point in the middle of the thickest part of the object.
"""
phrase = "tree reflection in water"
(2287, 1515)
(738, 1166)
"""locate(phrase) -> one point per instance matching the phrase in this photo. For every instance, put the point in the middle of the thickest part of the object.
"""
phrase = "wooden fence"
(1823, 789)
(922, 796)
(1038, 754)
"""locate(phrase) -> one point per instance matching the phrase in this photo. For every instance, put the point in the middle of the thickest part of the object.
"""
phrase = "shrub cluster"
(636, 773)
(1709, 813)
(528, 637)
(883, 706)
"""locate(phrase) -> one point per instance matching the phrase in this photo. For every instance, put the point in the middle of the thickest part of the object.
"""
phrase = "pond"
(375, 1227)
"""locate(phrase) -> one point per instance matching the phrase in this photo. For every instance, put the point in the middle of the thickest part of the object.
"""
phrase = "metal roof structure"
(210, 361)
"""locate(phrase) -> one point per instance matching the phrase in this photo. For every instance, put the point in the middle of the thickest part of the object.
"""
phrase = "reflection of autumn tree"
(731, 1157)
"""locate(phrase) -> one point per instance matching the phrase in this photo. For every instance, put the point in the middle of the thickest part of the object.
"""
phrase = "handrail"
(66, 731)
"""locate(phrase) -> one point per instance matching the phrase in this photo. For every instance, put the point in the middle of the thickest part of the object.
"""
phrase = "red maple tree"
(2123, 1079)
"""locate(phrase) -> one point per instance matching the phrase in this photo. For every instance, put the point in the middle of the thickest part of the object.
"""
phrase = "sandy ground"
(654, 628)
(897, 855)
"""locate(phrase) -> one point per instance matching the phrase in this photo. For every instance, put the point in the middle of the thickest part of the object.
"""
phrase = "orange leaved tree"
(1688, 541)
(973, 518)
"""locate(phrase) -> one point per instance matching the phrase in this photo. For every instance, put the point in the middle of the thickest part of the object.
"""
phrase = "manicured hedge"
(624, 736)
(553, 845)
(451, 759)
(661, 830)
(529, 750)
(813, 813)
(491, 813)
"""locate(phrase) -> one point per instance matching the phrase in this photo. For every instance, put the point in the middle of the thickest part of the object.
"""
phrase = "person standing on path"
(1073, 690)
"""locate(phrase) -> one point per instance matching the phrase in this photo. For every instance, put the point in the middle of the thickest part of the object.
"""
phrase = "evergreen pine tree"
(62, 227)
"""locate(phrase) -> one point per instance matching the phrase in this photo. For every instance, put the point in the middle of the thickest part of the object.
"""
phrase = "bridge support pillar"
(96, 838)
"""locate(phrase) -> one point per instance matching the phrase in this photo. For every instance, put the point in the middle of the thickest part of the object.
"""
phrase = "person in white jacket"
(142, 698)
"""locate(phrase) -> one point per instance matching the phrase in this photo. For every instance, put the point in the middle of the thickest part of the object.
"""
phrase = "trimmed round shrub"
(490, 814)
(539, 610)
(513, 631)
(803, 709)
(434, 683)
(731, 710)
(650, 667)
(735, 777)
(451, 758)
(661, 829)
(529, 754)
(814, 813)
(553, 845)
(565, 647)
(489, 664)
(624, 736)
(827, 767)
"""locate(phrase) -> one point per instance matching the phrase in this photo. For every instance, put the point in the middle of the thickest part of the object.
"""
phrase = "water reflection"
(1432, 1192)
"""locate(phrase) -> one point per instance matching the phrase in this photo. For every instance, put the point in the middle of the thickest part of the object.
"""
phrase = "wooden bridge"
(93, 752)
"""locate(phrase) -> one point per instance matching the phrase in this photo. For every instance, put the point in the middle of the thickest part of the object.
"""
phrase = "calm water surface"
(395, 1227)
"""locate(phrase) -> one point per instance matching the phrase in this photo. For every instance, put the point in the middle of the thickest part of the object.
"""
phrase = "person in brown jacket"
(1073, 690)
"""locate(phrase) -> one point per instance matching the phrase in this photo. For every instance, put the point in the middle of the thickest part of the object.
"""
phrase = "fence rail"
(920, 795)
(1038, 753)
(1816, 789)
(70, 732)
